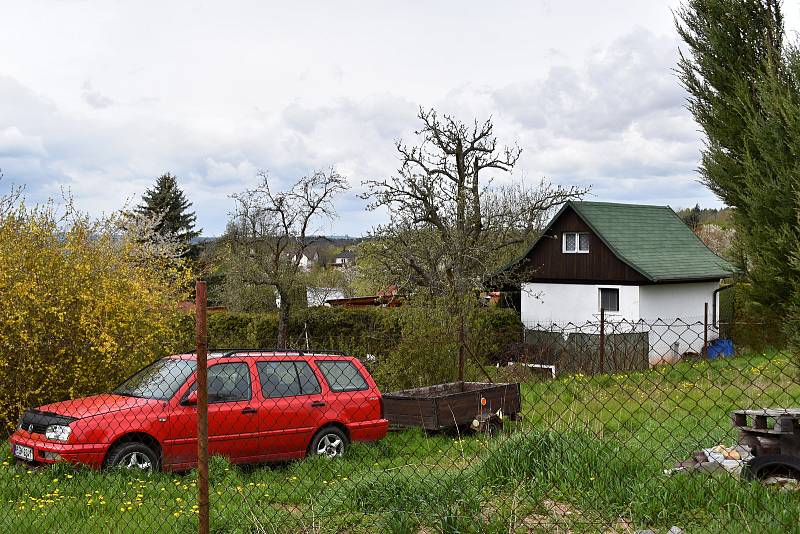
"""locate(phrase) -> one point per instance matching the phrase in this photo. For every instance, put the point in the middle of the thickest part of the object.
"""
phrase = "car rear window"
(342, 375)
(287, 379)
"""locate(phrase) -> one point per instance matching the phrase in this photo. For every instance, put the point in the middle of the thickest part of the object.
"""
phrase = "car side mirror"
(191, 399)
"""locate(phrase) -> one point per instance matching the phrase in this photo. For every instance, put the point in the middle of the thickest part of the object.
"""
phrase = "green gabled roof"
(651, 239)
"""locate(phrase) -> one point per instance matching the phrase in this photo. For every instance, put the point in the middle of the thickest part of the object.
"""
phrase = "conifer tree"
(744, 92)
(167, 201)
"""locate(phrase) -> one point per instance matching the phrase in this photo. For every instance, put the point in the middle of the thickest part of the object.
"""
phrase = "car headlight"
(58, 432)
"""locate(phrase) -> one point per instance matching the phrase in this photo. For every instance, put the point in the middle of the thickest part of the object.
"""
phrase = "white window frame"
(577, 249)
(600, 299)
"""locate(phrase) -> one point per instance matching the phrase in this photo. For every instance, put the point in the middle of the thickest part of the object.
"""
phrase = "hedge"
(373, 334)
(358, 330)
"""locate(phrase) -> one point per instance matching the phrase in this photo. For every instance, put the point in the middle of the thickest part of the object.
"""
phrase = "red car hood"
(96, 405)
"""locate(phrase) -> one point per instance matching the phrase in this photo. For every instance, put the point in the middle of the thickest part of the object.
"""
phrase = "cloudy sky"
(102, 97)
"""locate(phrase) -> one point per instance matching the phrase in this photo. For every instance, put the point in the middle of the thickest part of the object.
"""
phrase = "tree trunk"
(283, 320)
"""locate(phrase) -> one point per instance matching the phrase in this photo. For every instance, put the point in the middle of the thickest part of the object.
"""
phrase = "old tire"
(135, 456)
(762, 467)
(329, 442)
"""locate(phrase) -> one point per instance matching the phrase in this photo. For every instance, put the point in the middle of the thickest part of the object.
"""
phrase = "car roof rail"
(230, 352)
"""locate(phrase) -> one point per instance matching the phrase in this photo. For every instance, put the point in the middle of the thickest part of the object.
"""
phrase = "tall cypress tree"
(167, 200)
(743, 91)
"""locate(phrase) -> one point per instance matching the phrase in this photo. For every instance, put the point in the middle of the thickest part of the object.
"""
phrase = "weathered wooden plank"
(760, 422)
(771, 431)
(771, 412)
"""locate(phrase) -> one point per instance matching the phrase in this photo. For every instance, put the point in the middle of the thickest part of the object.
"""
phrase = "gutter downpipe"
(714, 296)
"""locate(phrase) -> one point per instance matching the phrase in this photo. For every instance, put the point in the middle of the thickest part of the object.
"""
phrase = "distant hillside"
(696, 216)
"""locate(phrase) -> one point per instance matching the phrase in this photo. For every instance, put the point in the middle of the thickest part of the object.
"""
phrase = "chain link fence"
(608, 426)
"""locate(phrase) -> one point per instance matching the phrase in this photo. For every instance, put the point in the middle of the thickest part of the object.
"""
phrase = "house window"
(609, 299)
(575, 243)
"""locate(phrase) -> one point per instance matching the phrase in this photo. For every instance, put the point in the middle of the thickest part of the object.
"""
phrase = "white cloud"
(15, 144)
(103, 97)
(94, 98)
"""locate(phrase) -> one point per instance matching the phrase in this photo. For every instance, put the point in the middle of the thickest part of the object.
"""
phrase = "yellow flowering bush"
(83, 303)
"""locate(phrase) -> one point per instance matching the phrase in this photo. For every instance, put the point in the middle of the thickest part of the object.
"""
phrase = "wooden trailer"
(475, 405)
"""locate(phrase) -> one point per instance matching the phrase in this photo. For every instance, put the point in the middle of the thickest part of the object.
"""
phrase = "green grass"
(589, 455)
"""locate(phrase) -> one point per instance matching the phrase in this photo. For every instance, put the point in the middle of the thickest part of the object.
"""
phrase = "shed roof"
(651, 239)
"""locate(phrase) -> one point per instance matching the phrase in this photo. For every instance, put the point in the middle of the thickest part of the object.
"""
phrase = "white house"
(345, 258)
(308, 259)
(642, 264)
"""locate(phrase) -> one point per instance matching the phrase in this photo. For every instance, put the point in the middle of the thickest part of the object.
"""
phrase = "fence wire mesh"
(609, 426)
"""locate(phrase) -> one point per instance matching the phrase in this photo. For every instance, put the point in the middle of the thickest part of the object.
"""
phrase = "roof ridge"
(625, 204)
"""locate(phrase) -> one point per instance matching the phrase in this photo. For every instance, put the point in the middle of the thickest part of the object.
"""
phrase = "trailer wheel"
(762, 467)
(493, 427)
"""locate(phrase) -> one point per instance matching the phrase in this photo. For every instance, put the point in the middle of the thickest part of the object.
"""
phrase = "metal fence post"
(201, 337)
(705, 330)
(602, 338)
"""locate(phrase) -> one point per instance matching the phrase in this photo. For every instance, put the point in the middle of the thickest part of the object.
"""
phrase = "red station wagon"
(262, 406)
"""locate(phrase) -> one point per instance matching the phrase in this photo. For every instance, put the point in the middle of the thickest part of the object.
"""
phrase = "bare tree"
(10, 200)
(450, 227)
(269, 231)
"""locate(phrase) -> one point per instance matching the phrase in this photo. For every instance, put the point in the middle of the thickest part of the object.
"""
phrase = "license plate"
(23, 452)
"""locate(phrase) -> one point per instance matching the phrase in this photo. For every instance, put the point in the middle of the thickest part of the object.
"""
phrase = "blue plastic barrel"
(720, 348)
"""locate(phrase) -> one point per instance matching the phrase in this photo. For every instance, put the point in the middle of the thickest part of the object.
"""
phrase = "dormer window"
(575, 243)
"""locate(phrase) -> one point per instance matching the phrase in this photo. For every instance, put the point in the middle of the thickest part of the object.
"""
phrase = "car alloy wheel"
(330, 445)
(136, 460)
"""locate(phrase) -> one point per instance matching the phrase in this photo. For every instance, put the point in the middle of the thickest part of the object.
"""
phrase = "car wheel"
(134, 456)
(493, 428)
(329, 442)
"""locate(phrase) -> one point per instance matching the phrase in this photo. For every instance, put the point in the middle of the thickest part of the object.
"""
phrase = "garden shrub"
(84, 304)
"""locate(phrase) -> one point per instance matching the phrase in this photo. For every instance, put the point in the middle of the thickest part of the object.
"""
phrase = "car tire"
(133, 455)
(329, 442)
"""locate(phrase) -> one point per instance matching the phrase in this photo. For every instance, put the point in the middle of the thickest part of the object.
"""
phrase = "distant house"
(345, 258)
(308, 258)
(638, 263)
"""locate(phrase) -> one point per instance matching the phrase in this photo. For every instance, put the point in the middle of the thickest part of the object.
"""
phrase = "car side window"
(342, 375)
(228, 382)
(287, 379)
(308, 380)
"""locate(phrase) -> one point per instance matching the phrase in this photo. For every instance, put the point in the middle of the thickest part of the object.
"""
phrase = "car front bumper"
(47, 451)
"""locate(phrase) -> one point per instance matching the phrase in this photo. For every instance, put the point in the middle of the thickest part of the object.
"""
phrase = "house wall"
(675, 312)
(547, 262)
(676, 301)
(672, 314)
(575, 303)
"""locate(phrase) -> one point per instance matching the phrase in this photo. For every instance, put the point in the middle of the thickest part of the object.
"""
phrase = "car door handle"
(249, 410)
(317, 404)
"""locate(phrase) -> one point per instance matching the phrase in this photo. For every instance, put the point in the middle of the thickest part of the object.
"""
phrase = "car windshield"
(159, 380)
